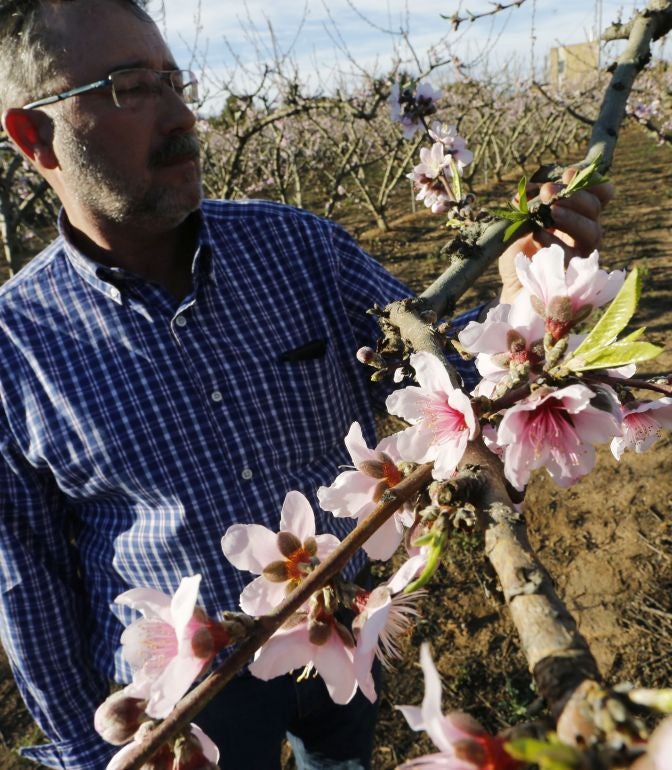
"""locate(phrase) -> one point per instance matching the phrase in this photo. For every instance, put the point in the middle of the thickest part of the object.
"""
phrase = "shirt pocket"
(310, 400)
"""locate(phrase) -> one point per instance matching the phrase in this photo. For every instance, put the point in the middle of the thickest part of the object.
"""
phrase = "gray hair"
(29, 52)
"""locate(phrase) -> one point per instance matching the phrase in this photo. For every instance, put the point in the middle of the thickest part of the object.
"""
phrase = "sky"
(326, 38)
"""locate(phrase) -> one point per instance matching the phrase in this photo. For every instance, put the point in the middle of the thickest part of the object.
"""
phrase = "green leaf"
(435, 553)
(513, 228)
(614, 320)
(514, 216)
(522, 195)
(586, 177)
(619, 354)
(634, 335)
(551, 755)
(457, 182)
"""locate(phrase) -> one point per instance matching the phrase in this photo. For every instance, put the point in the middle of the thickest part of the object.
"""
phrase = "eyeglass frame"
(164, 75)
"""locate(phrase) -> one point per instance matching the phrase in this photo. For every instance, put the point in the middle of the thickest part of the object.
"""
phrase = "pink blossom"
(170, 646)
(511, 335)
(385, 614)
(431, 176)
(563, 295)
(454, 145)
(660, 745)
(433, 163)
(640, 427)
(441, 417)
(292, 647)
(203, 753)
(355, 493)
(555, 429)
(434, 195)
(409, 108)
(462, 742)
(280, 559)
(118, 718)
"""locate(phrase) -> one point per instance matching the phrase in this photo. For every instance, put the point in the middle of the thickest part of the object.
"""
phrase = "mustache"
(177, 146)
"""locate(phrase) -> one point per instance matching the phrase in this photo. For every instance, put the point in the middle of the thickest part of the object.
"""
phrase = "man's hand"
(578, 229)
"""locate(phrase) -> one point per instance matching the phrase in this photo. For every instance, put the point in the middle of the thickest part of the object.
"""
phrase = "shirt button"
(180, 321)
(114, 293)
(216, 395)
(246, 473)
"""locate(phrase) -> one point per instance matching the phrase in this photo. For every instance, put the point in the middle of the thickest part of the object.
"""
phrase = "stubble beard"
(97, 185)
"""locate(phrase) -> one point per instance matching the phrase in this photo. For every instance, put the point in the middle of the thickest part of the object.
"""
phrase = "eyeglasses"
(133, 87)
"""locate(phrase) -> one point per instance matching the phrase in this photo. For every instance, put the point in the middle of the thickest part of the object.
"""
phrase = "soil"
(607, 542)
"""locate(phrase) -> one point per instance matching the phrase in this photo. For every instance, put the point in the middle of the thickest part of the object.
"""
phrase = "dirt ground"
(607, 542)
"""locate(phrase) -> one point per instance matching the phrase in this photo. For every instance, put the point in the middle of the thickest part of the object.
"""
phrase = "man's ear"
(32, 132)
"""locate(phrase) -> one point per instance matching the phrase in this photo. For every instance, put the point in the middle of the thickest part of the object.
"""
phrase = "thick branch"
(557, 655)
(468, 261)
(652, 23)
(194, 701)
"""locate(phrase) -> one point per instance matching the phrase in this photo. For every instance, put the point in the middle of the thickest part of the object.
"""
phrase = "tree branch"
(195, 700)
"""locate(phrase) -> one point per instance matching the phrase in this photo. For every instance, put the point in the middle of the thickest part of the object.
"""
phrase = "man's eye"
(142, 88)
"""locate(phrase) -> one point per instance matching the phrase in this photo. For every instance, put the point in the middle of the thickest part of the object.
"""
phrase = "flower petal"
(297, 516)
(250, 547)
(334, 663)
(149, 601)
(183, 604)
(172, 684)
(286, 650)
(261, 596)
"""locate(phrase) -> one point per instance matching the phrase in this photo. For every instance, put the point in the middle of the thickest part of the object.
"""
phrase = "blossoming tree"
(555, 382)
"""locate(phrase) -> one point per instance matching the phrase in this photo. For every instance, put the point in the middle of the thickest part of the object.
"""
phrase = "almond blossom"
(410, 108)
(280, 559)
(555, 428)
(442, 419)
(355, 493)
(454, 145)
(564, 295)
(430, 178)
(462, 742)
(510, 336)
(643, 422)
(170, 646)
(384, 615)
(310, 641)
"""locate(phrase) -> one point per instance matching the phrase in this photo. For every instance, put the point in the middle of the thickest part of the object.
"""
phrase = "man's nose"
(177, 115)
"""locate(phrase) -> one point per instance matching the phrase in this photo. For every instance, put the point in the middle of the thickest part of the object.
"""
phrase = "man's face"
(136, 166)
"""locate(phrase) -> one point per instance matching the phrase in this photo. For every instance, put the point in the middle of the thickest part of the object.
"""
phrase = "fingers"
(577, 218)
(584, 233)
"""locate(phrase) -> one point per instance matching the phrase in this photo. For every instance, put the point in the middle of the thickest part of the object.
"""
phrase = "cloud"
(316, 36)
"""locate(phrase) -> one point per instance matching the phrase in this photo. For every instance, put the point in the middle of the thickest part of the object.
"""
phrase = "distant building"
(572, 63)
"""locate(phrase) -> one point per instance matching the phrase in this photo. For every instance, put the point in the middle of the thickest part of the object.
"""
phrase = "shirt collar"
(115, 281)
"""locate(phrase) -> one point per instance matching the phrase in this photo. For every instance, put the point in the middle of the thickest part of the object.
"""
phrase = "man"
(167, 366)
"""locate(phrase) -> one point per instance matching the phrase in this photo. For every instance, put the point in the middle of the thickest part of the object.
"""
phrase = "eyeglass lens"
(131, 87)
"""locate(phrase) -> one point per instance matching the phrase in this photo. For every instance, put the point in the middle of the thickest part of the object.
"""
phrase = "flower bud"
(369, 356)
(117, 719)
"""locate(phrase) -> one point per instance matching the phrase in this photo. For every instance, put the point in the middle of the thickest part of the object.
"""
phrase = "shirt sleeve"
(42, 623)
(365, 282)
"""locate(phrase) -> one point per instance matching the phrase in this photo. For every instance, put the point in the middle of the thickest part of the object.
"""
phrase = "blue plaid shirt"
(135, 429)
